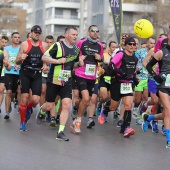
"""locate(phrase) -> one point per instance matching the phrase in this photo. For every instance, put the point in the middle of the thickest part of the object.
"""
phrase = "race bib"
(107, 79)
(126, 88)
(167, 82)
(64, 75)
(12, 61)
(90, 70)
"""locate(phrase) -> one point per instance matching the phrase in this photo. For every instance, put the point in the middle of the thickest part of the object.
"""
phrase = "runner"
(12, 76)
(63, 54)
(29, 56)
(91, 52)
(163, 88)
(124, 65)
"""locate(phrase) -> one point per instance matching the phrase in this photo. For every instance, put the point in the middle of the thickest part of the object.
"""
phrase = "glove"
(136, 82)
(158, 78)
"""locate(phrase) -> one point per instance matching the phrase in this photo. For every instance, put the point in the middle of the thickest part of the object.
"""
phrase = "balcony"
(62, 20)
(72, 4)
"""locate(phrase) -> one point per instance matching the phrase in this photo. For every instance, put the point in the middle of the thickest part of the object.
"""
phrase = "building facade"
(53, 15)
(13, 17)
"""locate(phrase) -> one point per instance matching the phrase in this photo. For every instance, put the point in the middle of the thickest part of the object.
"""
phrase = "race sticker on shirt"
(90, 70)
(12, 61)
(126, 88)
(64, 75)
(167, 82)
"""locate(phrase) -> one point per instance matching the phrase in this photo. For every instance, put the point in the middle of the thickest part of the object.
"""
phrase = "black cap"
(36, 28)
(128, 40)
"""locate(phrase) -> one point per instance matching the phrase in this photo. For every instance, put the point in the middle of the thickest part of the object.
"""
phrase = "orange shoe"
(128, 132)
(75, 126)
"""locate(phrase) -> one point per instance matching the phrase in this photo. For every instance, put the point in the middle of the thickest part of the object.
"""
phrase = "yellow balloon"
(143, 28)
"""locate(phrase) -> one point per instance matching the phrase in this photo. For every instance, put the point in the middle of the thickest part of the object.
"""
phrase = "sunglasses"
(134, 44)
(92, 30)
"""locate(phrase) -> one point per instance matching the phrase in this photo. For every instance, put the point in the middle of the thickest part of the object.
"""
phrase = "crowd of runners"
(89, 78)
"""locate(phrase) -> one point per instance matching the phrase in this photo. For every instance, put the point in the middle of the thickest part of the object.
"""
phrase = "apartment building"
(13, 17)
(53, 15)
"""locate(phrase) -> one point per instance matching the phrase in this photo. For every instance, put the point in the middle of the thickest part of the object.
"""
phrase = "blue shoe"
(163, 130)
(168, 145)
(145, 123)
(28, 114)
(154, 126)
(23, 127)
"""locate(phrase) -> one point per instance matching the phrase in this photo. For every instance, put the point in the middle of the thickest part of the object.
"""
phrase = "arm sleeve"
(158, 45)
(149, 66)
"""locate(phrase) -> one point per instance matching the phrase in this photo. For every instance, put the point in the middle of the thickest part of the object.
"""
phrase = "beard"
(35, 40)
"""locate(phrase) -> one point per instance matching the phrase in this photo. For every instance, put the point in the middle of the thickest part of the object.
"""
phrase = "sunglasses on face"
(92, 30)
(130, 44)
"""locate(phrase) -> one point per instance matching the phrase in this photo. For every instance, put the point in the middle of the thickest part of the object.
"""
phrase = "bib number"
(167, 82)
(126, 88)
(64, 75)
(90, 70)
(12, 61)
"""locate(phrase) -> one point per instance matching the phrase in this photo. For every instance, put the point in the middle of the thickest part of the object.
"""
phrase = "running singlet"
(164, 68)
(12, 55)
(59, 74)
(88, 49)
(33, 61)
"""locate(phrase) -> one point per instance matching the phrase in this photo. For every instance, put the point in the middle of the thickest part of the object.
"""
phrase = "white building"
(53, 15)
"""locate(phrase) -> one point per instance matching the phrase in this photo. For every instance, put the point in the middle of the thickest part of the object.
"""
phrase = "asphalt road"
(100, 148)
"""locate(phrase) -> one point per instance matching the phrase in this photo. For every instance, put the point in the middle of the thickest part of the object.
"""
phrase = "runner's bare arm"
(21, 54)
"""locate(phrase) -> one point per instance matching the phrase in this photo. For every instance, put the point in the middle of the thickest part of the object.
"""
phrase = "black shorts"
(74, 84)
(30, 80)
(2, 79)
(102, 83)
(96, 89)
(164, 90)
(85, 84)
(63, 91)
(11, 82)
(115, 91)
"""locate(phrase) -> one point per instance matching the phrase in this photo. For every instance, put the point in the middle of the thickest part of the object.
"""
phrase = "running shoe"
(145, 123)
(143, 108)
(120, 123)
(61, 136)
(74, 113)
(7, 116)
(28, 115)
(48, 117)
(98, 109)
(139, 120)
(23, 127)
(163, 130)
(106, 120)
(115, 114)
(154, 125)
(0, 110)
(75, 126)
(90, 123)
(53, 122)
(101, 118)
(39, 117)
(128, 132)
(168, 145)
